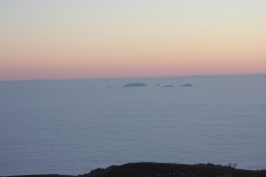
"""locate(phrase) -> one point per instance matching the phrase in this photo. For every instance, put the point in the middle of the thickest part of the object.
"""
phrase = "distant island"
(168, 86)
(187, 85)
(135, 85)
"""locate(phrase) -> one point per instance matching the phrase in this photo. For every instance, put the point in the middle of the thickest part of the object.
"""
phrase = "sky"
(69, 39)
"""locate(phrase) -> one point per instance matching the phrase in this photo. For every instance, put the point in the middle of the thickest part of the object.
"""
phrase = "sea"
(74, 126)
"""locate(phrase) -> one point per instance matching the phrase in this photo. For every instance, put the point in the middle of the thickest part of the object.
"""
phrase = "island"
(168, 86)
(135, 85)
(187, 85)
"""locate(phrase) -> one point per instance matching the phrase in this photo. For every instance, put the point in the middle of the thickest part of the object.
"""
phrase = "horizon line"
(144, 77)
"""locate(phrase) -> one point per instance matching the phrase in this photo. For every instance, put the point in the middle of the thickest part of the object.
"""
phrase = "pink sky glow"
(84, 40)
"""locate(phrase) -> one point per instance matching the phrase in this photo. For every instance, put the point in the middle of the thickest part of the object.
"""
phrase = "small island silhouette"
(135, 85)
(187, 85)
(168, 86)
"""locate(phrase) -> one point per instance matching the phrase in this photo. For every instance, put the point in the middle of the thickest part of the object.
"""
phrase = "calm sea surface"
(72, 127)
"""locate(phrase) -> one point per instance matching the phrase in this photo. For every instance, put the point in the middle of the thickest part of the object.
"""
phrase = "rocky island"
(135, 85)
(187, 85)
(168, 86)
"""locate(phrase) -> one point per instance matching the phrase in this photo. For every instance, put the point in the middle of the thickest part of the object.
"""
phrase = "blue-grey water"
(74, 126)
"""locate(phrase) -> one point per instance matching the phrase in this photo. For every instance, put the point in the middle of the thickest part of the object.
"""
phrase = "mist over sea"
(74, 126)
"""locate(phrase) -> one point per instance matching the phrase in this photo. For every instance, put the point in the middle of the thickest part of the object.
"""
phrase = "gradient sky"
(64, 39)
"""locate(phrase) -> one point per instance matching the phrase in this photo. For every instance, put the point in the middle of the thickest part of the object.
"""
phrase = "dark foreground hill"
(166, 170)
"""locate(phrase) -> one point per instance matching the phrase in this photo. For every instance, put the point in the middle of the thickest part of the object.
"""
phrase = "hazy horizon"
(140, 78)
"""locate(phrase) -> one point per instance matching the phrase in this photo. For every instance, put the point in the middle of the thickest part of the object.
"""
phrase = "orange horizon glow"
(86, 40)
(122, 72)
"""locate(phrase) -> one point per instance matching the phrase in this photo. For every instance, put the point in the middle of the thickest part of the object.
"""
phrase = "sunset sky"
(69, 39)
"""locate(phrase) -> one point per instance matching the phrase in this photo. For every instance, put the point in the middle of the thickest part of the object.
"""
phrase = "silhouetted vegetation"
(230, 165)
(148, 169)
(176, 170)
(97, 170)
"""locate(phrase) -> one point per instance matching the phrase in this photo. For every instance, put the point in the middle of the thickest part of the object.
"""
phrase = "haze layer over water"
(72, 127)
